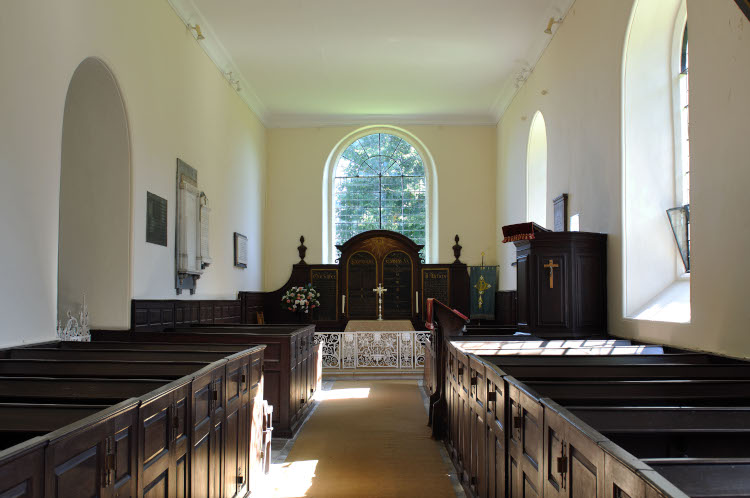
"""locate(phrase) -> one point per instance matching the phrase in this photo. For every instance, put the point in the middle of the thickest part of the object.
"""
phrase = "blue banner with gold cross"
(483, 288)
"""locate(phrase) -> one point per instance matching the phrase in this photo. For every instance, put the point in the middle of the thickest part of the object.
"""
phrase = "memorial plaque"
(435, 284)
(327, 283)
(361, 279)
(156, 219)
(397, 267)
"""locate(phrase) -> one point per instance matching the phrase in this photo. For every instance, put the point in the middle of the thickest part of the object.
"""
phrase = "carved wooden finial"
(457, 250)
(302, 249)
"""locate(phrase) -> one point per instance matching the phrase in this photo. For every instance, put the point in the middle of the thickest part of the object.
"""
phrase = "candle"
(417, 302)
(343, 303)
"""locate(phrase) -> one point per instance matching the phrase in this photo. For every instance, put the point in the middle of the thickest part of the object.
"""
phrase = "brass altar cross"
(380, 290)
(551, 265)
(481, 287)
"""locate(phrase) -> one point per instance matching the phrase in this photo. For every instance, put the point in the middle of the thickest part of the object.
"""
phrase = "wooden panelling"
(158, 315)
(22, 470)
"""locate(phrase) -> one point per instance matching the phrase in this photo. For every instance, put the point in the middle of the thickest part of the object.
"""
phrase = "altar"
(379, 326)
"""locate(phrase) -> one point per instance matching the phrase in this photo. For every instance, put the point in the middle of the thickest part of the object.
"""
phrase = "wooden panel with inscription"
(397, 278)
(361, 275)
(435, 284)
(326, 281)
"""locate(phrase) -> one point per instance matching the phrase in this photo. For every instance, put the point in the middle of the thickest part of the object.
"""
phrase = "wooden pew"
(133, 369)
(293, 367)
(141, 446)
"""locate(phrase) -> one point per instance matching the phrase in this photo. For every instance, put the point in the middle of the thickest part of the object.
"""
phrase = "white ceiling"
(310, 63)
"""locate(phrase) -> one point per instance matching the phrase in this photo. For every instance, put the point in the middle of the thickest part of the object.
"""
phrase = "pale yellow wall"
(178, 105)
(464, 158)
(581, 71)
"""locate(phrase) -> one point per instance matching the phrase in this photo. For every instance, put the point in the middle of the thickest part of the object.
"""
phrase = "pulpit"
(561, 281)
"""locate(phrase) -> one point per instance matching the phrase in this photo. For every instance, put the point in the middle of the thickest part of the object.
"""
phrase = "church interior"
(402, 249)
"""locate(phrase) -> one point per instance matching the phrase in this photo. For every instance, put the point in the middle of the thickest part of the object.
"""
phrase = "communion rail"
(344, 351)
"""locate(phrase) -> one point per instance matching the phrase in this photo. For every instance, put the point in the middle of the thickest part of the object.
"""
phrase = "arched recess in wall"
(431, 190)
(95, 195)
(536, 171)
(655, 288)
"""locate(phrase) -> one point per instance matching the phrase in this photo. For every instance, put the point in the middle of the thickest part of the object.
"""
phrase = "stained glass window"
(380, 184)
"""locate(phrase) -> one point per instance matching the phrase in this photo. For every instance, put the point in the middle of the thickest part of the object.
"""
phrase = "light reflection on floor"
(353, 393)
(290, 479)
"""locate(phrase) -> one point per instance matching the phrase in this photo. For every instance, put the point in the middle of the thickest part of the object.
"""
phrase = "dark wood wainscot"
(594, 418)
(185, 427)
(292, 367)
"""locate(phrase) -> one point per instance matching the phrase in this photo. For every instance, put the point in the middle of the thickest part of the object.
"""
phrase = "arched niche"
(536, 172)
(95, 195)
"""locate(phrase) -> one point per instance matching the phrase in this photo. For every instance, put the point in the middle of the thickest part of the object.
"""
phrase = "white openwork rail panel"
(351, 350)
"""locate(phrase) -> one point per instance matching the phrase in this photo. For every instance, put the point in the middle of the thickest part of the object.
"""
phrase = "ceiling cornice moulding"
(323, 120)
(187, 11)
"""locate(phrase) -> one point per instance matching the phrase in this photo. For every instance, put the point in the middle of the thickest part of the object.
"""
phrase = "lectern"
(561, 281)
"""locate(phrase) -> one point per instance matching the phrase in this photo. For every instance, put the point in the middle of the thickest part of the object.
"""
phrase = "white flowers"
(303, 299)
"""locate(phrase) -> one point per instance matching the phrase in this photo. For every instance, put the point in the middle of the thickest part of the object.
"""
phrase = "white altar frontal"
(390, 348)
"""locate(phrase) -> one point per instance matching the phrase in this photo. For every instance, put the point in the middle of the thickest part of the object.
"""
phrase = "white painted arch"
(431, 230)
(536, 171)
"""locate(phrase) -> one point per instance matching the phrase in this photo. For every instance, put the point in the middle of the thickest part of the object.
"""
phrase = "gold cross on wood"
(551, 265)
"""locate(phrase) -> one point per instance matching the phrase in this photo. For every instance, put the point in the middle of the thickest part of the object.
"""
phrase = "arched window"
(683, 181)
(655, 163)
(379, 183)
(536, 172)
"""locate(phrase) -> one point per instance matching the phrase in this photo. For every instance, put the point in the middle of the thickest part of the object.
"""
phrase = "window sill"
(671, 305)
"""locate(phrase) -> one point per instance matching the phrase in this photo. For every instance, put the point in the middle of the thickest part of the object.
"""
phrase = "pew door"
(208, 412)
(163, 467)
(573, 461)
(621, 480)
(478, 426)
(236, 434)
(525, 442)
(256, 437)
(464, 416)
(22, 474)
(496, 442)
(94, 458)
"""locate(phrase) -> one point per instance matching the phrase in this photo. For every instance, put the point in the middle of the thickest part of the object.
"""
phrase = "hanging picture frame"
(240, 250)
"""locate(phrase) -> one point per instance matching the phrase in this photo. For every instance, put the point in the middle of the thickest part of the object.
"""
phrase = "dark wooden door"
(496, 446)
(361, 280)
(397, 279)
(237, 427)
(525, 444)
(163, 466)
(208, 410)
(99, 460)
(573, 462)
(478, 426)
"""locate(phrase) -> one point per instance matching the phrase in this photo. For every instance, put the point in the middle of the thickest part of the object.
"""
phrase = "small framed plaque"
(240, 250)
(156, 219)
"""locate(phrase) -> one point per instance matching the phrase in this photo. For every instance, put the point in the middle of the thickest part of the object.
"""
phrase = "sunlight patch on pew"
(353, 393)
(290, 479)
(585, 347)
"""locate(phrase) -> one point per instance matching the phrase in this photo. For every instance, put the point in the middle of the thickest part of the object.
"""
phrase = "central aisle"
(366, 439)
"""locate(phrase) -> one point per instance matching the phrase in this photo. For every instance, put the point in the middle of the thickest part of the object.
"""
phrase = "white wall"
(582, 73)
(178, 105)
(464, 159)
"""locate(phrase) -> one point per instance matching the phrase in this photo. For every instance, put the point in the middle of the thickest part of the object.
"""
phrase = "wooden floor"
(365, 439)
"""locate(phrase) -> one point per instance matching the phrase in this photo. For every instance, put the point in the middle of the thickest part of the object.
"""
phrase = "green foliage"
(380, 184)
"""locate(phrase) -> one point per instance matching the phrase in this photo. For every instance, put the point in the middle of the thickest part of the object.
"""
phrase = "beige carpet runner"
(379, 326)
(366, 439)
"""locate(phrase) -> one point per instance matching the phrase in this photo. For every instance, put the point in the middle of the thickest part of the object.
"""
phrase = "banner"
(483, 288)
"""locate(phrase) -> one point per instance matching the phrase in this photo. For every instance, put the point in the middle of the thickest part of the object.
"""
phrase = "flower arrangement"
(301, 299)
